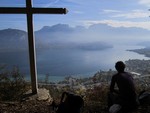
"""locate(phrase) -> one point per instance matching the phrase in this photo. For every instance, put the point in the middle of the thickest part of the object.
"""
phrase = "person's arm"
(112, 86)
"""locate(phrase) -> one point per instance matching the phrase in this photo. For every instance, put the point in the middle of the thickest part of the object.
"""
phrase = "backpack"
(70, 103)
(144, 98)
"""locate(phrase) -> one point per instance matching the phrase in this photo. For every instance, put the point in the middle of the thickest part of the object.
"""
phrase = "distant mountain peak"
(12, 31)
(13, 39)
(56, 28)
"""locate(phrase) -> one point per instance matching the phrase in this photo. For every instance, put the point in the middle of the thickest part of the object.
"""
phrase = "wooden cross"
(29, 11)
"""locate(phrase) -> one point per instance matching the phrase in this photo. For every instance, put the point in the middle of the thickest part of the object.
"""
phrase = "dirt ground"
(33, 106)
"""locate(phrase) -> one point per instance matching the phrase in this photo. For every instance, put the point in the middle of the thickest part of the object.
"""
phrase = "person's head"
(120, 66)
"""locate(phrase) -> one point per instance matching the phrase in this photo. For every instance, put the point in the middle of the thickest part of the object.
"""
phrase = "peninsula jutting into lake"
(144, 51)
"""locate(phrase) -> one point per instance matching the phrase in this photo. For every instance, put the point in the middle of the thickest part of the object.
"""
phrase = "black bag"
(144, 98)
(70, 103)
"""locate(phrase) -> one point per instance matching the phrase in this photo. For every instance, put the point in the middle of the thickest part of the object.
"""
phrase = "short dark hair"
(120, 66)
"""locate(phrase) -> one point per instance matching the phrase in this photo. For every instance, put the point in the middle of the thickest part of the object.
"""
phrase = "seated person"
(123, 99)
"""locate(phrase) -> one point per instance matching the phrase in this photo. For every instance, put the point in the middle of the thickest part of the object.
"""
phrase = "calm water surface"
(77, 63)
(60, 63)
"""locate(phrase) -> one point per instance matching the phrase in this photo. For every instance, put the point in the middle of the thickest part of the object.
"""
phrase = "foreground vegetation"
(94, 91)
(12, 84)
(95, 101)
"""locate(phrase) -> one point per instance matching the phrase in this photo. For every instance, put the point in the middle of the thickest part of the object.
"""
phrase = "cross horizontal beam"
(8, 10)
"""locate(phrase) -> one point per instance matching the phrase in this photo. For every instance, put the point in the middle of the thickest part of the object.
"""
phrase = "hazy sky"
(128, 13)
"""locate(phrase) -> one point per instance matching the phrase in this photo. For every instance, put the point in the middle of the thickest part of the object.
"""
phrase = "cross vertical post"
(29, 10)
(31, 43)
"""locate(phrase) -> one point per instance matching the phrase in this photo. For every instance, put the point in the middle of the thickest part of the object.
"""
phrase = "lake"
(78, 63)
(59, 63)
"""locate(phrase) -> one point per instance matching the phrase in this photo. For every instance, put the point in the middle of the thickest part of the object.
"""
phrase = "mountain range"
(62, 36)
(13, 38)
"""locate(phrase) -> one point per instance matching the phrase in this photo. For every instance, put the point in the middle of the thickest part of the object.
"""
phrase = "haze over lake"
(61, 63)
(73, 62)
(62, 50)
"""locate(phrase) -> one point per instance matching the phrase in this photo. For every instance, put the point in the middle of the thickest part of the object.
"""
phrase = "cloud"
(127, 15)
(111, 11)
(134, 14)
(78, 12)
(60, 3)
(145, 2)
(51, 3)
(116, 23)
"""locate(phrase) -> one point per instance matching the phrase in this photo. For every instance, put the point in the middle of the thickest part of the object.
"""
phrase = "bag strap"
(63, 96)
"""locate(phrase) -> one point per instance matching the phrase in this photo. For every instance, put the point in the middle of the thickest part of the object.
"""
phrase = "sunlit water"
(60, 63)
(77, 63)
